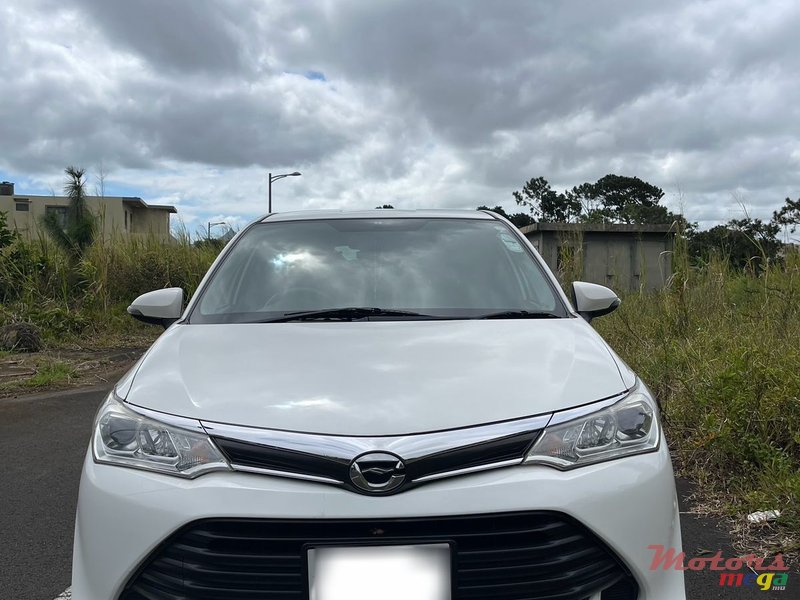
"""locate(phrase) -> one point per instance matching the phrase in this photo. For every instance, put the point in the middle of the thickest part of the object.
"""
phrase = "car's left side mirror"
(159, 307)
(592, 300)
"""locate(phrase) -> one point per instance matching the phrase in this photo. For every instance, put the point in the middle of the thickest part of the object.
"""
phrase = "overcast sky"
(412, 103)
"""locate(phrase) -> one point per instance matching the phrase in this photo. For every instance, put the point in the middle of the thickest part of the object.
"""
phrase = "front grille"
(422, 457)
(509, 556)
(491, 452)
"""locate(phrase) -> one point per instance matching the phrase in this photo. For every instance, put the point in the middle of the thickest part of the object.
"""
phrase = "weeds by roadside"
(52, 374)
(78, 302)
(721, 351)
(24, 373)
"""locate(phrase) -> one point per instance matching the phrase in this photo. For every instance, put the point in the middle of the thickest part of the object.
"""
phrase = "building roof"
(598, 227)
(135, 200)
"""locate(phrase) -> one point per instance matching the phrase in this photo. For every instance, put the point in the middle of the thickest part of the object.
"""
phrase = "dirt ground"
(25, 373)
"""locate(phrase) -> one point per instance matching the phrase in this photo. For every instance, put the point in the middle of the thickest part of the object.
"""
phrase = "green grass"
(721, 351)
(75, 301)
(51, 375)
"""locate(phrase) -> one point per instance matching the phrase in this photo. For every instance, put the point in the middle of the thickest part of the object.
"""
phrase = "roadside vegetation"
(66, 300)
(721, 351)
(82, 299)
(53, 373)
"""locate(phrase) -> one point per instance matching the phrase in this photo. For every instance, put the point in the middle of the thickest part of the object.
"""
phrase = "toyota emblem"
(377, 472)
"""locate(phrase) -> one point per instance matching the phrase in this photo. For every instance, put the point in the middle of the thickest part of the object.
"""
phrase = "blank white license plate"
(420, 572)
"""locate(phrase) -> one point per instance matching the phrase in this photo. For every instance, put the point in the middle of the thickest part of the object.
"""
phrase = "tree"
(788, 215)
(740, 241)
(585, 195)
(626, 200)
(385, 206)
(611, 199)
(518, 219)
(545, 204)
(77, 232)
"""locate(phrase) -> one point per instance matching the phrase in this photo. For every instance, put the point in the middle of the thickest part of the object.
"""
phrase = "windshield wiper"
(345, 314)
(519, 314)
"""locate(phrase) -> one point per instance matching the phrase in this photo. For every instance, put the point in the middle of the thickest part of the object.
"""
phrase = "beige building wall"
(116, 215)
(149, 221)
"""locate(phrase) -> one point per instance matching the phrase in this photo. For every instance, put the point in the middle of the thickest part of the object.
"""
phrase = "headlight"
(123, 437)
(628, 427)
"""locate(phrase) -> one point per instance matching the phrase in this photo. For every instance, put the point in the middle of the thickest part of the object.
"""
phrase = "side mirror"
(159, 307)
(592, 300)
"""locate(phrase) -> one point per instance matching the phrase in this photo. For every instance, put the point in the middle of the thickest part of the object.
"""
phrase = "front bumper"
(124, 514)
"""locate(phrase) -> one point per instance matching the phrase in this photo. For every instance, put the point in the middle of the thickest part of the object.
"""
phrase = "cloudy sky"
(413, 103)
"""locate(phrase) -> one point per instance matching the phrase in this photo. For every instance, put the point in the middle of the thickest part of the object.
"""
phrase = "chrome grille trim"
(325, 458)
(287, 474)
(341, 447)
(468, 470)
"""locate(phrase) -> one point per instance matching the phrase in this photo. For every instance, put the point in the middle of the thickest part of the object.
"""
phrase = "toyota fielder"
(383, 404)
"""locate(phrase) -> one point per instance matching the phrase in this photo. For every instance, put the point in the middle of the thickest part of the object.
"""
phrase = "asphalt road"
(42, 444)
(43, 440)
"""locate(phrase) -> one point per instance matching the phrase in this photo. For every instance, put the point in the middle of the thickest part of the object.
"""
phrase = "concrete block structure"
(622, 257)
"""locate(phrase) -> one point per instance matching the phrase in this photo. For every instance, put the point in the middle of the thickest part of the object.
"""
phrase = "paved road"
(42, 443)
(701, 534)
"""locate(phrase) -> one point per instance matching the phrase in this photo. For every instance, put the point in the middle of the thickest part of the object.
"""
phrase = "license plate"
(419, 572)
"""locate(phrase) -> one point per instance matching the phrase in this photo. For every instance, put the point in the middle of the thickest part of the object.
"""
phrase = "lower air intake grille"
(509, 556)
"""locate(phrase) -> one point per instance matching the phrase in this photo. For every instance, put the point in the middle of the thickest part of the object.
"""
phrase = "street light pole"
(210, 225)
(275, 178)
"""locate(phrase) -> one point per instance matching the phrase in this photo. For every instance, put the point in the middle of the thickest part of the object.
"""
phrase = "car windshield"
(434, 267)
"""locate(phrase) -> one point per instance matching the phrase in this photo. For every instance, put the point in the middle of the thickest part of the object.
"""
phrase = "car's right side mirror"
(159, 307)
(592, 300)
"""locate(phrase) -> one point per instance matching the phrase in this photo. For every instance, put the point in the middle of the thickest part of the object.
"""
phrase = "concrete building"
(116, 215)
(622, 257)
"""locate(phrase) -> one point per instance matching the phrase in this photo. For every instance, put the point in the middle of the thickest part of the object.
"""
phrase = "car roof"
(386, 213)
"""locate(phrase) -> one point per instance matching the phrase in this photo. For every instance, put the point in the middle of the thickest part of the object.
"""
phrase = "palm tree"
(77, 233)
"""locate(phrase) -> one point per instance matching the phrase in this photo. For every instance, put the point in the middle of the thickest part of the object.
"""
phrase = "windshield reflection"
(446, 267)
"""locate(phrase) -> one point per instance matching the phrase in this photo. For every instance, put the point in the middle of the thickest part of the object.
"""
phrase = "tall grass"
(721, 350)
(39, 284)
(570, 257)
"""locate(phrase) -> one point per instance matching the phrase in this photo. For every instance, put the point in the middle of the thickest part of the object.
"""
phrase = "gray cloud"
(423, 103)
(180, 35)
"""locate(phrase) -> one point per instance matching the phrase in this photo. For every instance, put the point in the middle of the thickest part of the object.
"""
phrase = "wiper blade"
(345, 314)
(519, 314)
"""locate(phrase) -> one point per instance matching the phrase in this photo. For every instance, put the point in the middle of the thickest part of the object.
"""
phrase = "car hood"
(373, 378)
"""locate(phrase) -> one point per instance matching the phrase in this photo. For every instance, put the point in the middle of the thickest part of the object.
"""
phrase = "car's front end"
(237, 455)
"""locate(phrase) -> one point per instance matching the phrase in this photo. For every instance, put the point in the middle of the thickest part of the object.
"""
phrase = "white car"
(382, 404)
